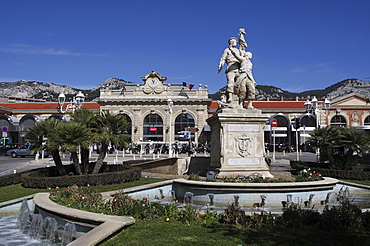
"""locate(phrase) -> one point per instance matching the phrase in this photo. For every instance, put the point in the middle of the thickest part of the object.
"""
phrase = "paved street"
(10, 165)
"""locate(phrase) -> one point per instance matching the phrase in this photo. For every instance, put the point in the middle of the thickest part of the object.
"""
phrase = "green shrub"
(295, 217)
(47, 177)
(346, 216)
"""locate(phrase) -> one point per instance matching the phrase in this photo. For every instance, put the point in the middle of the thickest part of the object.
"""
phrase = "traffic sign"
(4, 129)
(274, 123)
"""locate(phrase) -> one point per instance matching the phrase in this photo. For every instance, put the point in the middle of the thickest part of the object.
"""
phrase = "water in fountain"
(51, 228)
(69, 233)
(188, 198)
(210, 205)
(288, 201)
(236, 200)
(161, 192)
(343, 195)
(173, 195)
(45, 230)
(211, 197)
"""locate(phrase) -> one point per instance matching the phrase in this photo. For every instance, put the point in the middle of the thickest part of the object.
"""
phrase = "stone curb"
(109, 224)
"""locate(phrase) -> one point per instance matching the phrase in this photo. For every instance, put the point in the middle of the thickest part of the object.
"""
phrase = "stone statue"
(240, 81)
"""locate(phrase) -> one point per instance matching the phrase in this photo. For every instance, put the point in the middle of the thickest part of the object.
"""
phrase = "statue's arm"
(237, 55)
(222, 61)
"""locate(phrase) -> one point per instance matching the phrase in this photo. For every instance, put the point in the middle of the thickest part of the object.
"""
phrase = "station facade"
(161, 111)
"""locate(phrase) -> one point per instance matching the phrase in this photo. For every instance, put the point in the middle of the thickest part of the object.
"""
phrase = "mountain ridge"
(50, 91)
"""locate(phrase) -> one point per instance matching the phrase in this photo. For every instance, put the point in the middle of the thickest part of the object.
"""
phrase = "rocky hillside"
(50, 91)
(39, 90)
(339, 89)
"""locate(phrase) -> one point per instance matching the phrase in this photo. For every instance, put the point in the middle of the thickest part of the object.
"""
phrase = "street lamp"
(170, 106)
(76, 103)
(313, 107)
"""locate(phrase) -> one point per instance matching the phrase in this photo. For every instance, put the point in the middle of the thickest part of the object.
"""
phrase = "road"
(9, 164)
(19, 164)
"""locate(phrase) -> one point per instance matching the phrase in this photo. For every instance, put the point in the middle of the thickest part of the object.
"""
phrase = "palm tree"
(87, 118)
(46, 129)
(110, 130)
(72, 136)
(353, 141)
(323, 139)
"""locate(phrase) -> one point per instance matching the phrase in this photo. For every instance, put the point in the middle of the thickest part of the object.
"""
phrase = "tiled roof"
(43, 106)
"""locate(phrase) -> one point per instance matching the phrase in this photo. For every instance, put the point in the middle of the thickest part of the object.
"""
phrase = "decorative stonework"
(153, 83)
(237, 142)
(243, 145)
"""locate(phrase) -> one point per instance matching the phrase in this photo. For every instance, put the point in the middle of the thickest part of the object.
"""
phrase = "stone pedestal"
(237, 139)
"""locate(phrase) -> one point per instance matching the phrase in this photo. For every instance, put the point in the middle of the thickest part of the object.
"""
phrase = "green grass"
(163, 233)
(16, 191)
(174, 233)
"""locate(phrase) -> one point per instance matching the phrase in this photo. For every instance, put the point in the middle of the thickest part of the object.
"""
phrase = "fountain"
(271, 197)
(188, 198)
(46, 230)
(29, 228)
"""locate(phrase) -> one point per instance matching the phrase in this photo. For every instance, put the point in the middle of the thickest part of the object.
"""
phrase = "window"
(153, 128)
(338, 121)
(183, 121)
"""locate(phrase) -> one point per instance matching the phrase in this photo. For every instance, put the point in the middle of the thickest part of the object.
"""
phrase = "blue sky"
(296, 45)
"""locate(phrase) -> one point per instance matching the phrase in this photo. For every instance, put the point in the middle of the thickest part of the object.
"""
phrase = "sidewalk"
(279, 166)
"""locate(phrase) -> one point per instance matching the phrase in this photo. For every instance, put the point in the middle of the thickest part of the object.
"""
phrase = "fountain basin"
(105, 225)
(249, 194)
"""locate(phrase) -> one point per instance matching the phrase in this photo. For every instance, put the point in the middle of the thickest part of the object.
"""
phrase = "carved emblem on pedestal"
(243, 145)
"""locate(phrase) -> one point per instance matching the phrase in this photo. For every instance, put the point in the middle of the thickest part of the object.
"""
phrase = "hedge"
(357, 173)
(46, 177)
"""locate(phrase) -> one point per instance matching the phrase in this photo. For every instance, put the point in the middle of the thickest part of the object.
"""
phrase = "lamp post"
(313, 107)
(75, 104)
(170, 106)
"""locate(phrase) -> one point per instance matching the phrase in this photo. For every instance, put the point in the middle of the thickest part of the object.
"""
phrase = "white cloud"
(26, 49)
(318, 68)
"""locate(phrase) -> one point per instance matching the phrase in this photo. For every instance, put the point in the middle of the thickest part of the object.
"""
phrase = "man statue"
(232, 67)
(240, 81)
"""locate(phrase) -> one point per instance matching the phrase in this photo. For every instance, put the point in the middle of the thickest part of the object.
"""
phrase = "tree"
(88, 119)
(323, 139)
(340, 145)
(351, 142)
(110, 131)
(72, 136)
(47, 130)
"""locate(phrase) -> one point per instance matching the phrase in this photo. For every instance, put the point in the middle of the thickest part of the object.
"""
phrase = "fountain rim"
(325, 182)
(108, 225)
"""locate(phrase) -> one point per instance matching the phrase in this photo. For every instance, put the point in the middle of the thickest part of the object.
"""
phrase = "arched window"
(338, 121)
(183, 121)
(129, 122)
(367, 121)
(308, 121)
(153, 128)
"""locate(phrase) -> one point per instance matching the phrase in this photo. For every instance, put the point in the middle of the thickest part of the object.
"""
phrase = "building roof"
(49, 106)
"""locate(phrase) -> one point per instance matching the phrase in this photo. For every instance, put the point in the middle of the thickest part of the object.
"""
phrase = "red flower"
(100, 195)
(317, 174)
(145, 199)
(68, 198)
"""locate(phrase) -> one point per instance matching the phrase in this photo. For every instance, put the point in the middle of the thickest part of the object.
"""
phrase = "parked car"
(24, 150)
(5, 148)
